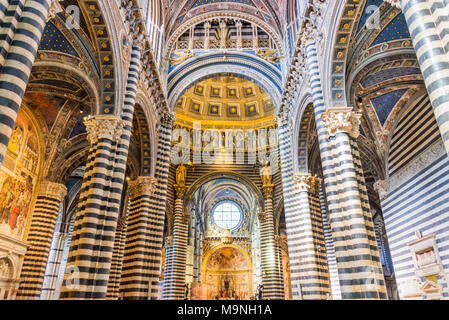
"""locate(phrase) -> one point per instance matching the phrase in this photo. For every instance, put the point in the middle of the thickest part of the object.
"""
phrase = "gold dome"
(226, 101)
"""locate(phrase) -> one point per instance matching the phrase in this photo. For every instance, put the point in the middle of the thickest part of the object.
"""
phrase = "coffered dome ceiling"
(226, 101)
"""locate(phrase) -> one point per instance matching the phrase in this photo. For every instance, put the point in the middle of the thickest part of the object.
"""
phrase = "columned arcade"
(224, 149)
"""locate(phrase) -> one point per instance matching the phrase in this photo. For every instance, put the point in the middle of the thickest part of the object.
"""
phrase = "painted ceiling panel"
(385, 103)
(387, 74)
(396, 30)
(370, 8)
(54, 40)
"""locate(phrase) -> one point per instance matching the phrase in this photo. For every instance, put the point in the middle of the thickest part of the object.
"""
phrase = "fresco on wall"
(227, 258)
(227, 275)
(17, 177)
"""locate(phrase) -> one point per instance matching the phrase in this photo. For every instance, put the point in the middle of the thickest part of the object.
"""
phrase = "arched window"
(227, 215)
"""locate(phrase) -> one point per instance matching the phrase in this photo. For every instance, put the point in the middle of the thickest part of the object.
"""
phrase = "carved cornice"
(342, 120)
(104, 127)
(52, 190)
(432, 154)
(144, 185)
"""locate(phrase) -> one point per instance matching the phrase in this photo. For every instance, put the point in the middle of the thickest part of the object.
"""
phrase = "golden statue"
(181, 174)
(269, 54)
(180, 56)
(266, 174)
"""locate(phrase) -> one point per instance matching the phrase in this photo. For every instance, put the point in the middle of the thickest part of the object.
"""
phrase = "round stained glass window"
(227, 215)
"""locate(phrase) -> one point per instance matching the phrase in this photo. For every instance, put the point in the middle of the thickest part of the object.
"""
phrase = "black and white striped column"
(117, 257)
(309, 278)
(53, 266)
(174, 285)
(18, 61)
(93, 237)
(359, 269)
(46, 210)
(141, 265)
(273, 288)
(429, 29)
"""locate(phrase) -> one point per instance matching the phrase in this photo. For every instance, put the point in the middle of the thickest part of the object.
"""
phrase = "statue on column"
(181, 174)
(266, 173)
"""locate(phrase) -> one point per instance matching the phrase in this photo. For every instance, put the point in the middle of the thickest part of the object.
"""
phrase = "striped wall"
(416, 130)
(418, 192)
(428, 25)
(16, 68)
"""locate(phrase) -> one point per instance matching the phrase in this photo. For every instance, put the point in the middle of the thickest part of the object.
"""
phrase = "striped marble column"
(53, 266)
(99, 204)
(10, 13)
(141, 265)
(174, 285)
(273, 288)
(167, 263)
(359, 268)
(93, 236)
(306, 273)
(330, 248)
(117, 258)
(46, 210)
(16, 68)
(429, 28)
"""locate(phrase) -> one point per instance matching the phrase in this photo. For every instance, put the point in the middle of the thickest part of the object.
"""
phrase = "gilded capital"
(104, 126)
(342, 120)
(302, 182)
(52, 190)
(144, 185)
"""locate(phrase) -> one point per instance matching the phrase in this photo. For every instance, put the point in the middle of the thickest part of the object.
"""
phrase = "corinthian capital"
(167, 119)
(142, 186)
(103, 126)
(342, 120)
(52, 190)
(303, 182)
